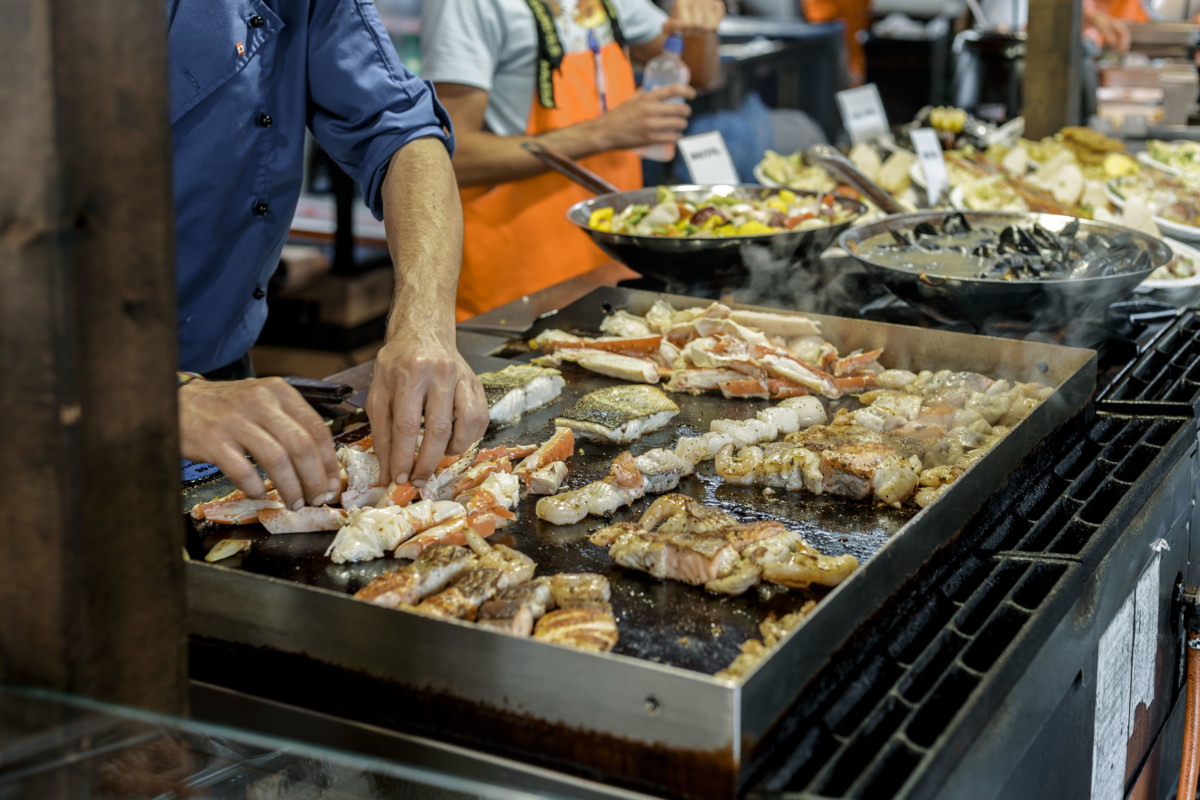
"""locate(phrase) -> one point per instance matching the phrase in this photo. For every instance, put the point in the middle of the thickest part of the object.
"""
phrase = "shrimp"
(740, 467)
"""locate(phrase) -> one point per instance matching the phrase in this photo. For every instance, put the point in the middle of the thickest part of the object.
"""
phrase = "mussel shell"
(955, 223)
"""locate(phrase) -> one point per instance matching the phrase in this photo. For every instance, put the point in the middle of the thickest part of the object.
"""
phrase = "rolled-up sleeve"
(364, 105)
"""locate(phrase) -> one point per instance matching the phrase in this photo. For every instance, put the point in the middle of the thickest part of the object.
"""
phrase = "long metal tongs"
(822, 155)
(563, 163)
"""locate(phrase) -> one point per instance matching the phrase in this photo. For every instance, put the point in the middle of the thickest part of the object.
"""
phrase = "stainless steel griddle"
(279, 620)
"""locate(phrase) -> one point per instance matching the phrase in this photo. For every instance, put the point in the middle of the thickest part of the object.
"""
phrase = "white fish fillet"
(629, 432)
(518, 389)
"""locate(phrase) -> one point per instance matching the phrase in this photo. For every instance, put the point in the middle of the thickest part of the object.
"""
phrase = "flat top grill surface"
(662, 621)
(665, 622)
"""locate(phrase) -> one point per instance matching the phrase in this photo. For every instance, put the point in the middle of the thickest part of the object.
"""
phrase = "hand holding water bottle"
(650, 117)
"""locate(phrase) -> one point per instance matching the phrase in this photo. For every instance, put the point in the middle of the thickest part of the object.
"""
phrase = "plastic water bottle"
(662, 70)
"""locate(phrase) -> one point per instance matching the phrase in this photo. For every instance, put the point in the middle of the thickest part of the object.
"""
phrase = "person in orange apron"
(856, 16)
(517, 239)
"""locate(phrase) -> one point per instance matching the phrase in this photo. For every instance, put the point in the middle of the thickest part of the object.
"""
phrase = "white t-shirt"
(493, 45)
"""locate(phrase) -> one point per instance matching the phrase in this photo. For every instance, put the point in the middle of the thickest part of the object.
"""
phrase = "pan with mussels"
(1005, 270)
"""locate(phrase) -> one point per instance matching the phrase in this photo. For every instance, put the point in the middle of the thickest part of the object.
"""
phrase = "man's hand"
(222, 422)
(420, 375)
(694, 17)
(646, 118)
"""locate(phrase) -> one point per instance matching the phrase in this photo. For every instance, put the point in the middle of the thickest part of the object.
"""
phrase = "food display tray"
(279, 621)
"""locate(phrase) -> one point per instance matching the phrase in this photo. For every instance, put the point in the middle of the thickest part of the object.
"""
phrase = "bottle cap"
(673, 43)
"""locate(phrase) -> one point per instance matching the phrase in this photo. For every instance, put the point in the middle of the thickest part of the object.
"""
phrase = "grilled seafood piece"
(553, 340)
(303, 520)
(429, 573)
(697, 380)
(547, 479)
(694, 449)
(804, 567)
(369, 532)
(619, 414)
(559, 447)
(614, 365)
(440, 485)
(849, 469)
(745, 431)
(585, 627)
(579, 588)
(235, 508)
(773, 631)
(622, 486)
(678, 513)
(809, 410)
(660, 468)
(518, 389)
(524, 601)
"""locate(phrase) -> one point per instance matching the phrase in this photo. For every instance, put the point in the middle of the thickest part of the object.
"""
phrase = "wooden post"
(91, 578)
(1052, 66)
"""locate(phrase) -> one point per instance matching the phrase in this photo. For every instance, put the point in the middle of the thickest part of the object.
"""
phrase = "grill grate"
(910, 692)
(1164, 380)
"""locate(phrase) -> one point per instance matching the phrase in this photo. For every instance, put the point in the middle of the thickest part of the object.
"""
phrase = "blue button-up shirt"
(246, 77)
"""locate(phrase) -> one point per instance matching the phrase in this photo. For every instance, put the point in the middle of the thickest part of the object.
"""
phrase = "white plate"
(760, 175)
(1176, 230)
(1175, 290)
(1147, 160)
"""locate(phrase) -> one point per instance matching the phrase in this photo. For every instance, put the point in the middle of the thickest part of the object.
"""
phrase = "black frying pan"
(994, 303)
(691, 263)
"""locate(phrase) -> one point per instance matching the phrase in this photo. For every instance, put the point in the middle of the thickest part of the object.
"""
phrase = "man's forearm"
(485, 159)
(422, 215)
(703, 59)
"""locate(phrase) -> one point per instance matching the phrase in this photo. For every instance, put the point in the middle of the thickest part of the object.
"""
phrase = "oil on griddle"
(662, 621)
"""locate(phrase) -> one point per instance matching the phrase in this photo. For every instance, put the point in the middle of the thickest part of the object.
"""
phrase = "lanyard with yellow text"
(550, 49)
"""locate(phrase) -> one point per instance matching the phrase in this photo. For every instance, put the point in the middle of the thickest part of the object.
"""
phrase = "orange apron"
(855, 15)
(517, 239)
(1130, 10)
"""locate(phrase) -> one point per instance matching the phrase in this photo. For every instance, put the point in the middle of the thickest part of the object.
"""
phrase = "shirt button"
(265, 120)
(261, 209)
(259, 293)
(257, 22)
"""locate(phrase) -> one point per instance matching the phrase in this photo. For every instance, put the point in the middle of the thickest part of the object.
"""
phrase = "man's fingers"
(309, 445)
(470, 415)
(439, 423)
(405, 428)
(379, 414)
(671, 91)
(232, 461)
(273, 457)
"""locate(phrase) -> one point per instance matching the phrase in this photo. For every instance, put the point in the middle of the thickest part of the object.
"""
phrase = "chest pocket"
(203, 46)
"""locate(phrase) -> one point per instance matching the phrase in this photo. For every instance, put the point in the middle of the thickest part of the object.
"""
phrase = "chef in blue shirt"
(246, 78)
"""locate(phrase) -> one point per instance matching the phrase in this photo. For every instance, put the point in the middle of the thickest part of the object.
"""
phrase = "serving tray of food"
(704, 565)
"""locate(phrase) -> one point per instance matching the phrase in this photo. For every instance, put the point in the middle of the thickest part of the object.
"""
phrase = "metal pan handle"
(822, 155)
(561, 162)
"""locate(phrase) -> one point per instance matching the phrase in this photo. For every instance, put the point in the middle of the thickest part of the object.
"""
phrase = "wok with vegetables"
(721, 215)
(704, 238)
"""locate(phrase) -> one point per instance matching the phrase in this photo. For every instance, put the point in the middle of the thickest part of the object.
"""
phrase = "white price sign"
(708, 158)
(933, 163)
(862, 113)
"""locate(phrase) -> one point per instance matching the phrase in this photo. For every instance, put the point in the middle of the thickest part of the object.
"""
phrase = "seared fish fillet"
(587, 627)
(619, 414)
(519, 388)
(429, 573)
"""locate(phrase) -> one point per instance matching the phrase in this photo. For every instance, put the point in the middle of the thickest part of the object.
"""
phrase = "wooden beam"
(91, 589)
(1054, 48)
